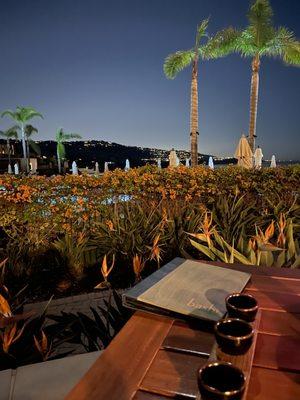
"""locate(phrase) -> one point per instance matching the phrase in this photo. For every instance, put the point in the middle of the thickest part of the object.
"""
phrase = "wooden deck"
(156, 358)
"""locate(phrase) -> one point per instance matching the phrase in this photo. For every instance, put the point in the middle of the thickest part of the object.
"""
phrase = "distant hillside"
(86, 153)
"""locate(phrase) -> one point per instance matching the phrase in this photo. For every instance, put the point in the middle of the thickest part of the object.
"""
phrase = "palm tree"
(60, 138)
(21, 116)
(9, 134)
(261, 39)
(218, 46)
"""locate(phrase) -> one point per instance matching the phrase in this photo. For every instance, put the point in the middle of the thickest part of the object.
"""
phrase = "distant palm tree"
(21, 116)
(261, 39)
(10, 133)
(60, 138)
(215, 47)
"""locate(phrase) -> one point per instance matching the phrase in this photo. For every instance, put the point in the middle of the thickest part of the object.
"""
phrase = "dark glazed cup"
(234, 336)
(243, 306)
(221, 381)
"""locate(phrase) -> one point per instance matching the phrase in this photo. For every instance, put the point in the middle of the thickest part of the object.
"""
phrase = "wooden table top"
(156, 358)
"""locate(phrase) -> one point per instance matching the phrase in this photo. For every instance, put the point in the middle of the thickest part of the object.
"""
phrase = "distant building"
(3, 149)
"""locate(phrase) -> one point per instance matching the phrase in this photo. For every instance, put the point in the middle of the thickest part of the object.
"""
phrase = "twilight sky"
(95, 67)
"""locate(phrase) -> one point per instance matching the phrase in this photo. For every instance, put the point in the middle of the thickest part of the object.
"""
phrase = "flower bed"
(59, 229)
(145, 182)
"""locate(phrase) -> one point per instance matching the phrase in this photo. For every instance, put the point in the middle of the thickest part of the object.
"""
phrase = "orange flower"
(110, 225)
(42, 346)
(85, 217)
(104, 269)
(281, 226)
(155, 251)
(80, 201)
(138, 266)
(68, 213)
(4, 307)
(263, 239)
(10, 335)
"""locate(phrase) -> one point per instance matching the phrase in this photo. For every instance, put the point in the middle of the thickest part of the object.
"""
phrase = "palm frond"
(260, 10)
(9, 113)
(11, 132)
(13, 135)
(245, 44)
(291, 53)
(35, 147)
(69, 136)
(223, 43)
(31, 115)
(22, 114)
(202, 30)
(29, 130)
(283, 45)
(27, 113)
(14, 128)
(287, 46)
(59, 135)
(176, 62)
(260, 18)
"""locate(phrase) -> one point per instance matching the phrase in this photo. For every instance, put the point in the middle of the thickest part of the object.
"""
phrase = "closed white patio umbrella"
(258, 156)
(273, 162)
(74, 168)
(211, 163)
(127, 165)
(244, 154)
(173, 159)
(16, 169)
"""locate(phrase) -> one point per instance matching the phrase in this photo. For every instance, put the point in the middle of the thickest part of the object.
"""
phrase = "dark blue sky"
(95, 67)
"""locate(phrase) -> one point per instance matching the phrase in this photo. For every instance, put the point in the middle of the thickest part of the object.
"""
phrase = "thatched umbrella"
(244, 154)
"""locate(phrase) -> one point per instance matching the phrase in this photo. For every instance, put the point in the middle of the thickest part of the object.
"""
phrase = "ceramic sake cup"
(221, 381)
(234, 336)
(242, 306)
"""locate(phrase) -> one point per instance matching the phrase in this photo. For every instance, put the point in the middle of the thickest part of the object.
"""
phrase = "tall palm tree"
(261, 39)
(10, 133)
(218, 46)
(22, 115)
(61, 137)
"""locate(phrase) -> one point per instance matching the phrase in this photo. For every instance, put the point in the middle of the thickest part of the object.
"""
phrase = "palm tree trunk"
(254, 101)
(194, 115)
(58, 161)
(25, 166)
(28, 152)
(8, 151)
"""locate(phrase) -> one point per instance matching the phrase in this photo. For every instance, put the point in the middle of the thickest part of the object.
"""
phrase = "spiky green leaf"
(178, 61)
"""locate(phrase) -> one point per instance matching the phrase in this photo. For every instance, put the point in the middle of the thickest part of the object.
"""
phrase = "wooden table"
(156, 358)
